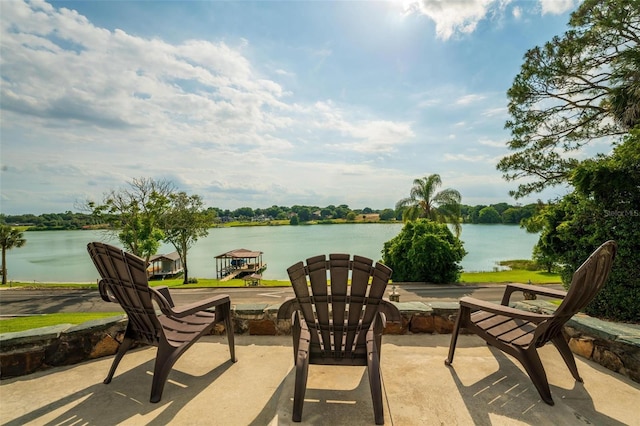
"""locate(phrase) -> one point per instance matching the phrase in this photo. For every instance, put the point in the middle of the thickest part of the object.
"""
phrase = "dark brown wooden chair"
(338, 324)
(124, 281)
(520, 333)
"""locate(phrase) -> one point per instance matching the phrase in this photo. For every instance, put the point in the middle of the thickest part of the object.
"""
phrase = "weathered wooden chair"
(124, 281)
(520, 333)
(338, 324)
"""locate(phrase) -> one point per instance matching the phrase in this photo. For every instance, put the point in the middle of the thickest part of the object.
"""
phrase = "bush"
(424, 251)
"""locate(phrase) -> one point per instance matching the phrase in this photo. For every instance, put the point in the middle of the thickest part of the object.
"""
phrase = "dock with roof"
(239, 263)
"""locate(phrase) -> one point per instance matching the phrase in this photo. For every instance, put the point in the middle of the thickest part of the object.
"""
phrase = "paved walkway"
(484, 387)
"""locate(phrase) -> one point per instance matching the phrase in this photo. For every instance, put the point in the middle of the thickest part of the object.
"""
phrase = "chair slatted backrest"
(124, 276)
(338, 314)
(586, 282)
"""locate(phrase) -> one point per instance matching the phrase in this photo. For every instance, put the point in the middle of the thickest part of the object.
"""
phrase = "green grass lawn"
(37, 321)
(511, 276)
(177, 283)
(27, 323)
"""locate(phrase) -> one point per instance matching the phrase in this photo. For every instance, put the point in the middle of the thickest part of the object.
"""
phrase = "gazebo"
(237, 263)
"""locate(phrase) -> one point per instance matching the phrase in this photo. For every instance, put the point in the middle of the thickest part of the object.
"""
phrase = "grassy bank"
(27, 323)
(512, 275)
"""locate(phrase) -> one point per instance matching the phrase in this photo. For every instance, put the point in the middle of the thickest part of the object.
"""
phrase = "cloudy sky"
(261, 103)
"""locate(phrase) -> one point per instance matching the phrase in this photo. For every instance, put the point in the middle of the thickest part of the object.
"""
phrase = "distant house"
(163, 266)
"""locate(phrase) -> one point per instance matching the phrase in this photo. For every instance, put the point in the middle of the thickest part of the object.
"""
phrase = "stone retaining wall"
(615, 346)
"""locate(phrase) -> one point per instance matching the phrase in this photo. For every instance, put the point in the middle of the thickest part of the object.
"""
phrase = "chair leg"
(375, 382)
(567, 356)
(302, 372)
(533, 365)
(124, 347)
(228, 325)
(165, 358)
(454, 338)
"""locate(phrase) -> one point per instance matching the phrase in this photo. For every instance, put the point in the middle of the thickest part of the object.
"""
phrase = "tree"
(9, 238)
(603, 206)
(387, 214)
(183, 223)
(424, 201)
(576, 89)
(489, 215)
(424, 251)
(134, 214)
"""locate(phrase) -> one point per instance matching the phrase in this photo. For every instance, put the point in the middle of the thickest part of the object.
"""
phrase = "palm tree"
(423, 201)
(9, 238)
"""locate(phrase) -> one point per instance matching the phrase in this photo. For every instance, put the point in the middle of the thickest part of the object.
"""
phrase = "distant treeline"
(494, 213)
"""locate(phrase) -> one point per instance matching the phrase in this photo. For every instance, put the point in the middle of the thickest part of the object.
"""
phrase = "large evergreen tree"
(576, 89)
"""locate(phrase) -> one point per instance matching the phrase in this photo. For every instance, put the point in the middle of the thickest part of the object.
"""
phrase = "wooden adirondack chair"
(338, 324)
(124, 281)
(520, 333)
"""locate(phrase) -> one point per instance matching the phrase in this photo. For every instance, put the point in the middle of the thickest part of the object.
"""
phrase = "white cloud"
(556, 7)
(454, 16)
(495, 112)
(465, 157)
(517, 12)
(492, 143)
(469, 99)
(117, 106)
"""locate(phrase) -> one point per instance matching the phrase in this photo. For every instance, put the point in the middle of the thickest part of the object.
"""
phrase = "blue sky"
(261, 103)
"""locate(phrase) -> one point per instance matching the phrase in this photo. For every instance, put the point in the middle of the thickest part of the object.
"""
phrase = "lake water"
(61, 256)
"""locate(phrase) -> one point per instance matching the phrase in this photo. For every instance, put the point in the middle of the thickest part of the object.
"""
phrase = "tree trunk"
(4, 266)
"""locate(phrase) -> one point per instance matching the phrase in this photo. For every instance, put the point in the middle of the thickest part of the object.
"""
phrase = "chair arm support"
(540, 290)
(286, 310)
(164, 291)
(106, 295)
(476, 304)
(390, 311)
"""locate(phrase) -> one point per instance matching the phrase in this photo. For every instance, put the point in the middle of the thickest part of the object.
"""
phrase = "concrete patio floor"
(484, 387)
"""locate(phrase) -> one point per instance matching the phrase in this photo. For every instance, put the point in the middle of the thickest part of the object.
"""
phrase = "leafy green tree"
(243, 213)
(9, 238)
(576, 89)
(304, 214)
(424, 251)
(425, 202)
(387, 214)
(184, 222)
(135, 212)
(489, 215)
(603, 206)
(294, 220)
(351, 216)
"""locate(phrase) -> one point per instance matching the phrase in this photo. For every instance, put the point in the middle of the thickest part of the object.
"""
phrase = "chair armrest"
(167, 307)
(287, 308)
(201, 305)
(476, 304)
(390, 310)
(536, 289)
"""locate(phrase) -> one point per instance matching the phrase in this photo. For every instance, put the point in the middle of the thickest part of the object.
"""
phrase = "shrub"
(424, 251)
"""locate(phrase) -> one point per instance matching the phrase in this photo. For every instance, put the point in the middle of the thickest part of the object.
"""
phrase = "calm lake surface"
(61, 256)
